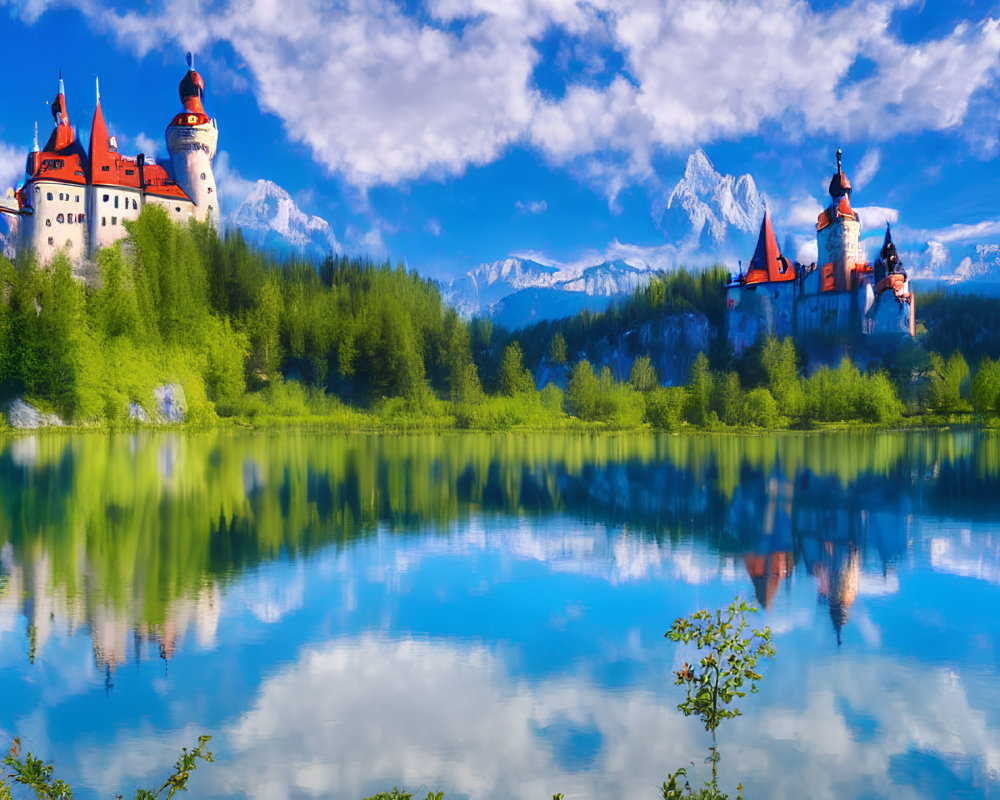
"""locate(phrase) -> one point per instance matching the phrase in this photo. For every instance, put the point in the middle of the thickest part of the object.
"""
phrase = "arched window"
(60, 195)
(106, 198)
(48, 195)
(60, 219)
(81, 218)
(177, 209)
(48, 223)
(203, 176)
(69, 218)
(135, 205)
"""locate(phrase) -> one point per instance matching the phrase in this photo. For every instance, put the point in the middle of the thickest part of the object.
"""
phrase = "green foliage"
(950, 383)
(779, 363)
(845, 394)
(725, 672)
(761, 409)
(38, 776)
(700, 389)
(402, 794)
(602, 399)
(665, 407)
(557, 349)
(514, 378)
(642, 377)
(985, 390)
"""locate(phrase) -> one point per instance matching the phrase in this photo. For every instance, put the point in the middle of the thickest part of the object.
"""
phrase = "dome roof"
(839, 185)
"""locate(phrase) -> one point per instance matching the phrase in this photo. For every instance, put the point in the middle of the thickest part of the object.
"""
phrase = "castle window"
(81, 218)
(114, 220)
(135, 205)
(78, 198)
(106, 198)
(104, 221)
(60, 219)
(178, 209)
(48, 223)
(116, 201)
(51, 240)
(69, 218)
(203, 176)
(106, 168)
(130, 172)
(209, 189)
(60, 195)
(48, 195)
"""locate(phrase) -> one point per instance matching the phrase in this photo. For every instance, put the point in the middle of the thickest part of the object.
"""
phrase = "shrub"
(665, 407)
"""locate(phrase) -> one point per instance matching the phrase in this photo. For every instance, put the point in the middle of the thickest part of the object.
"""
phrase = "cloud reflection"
(360, 713)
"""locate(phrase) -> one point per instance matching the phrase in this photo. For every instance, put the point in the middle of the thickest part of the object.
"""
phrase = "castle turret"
(191, 141)
(838, 237)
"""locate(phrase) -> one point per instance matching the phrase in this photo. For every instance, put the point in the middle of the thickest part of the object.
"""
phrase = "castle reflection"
(136, 538)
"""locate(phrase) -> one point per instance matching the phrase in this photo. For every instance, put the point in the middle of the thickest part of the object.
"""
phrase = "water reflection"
(485, 614)
(135, 536)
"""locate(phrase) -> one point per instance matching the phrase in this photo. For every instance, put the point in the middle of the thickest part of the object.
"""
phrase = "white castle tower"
(191, 141)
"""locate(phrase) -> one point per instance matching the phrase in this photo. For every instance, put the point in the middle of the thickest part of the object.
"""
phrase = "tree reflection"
(141, 534)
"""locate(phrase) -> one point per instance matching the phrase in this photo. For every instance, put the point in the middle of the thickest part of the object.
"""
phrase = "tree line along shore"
(353, 345)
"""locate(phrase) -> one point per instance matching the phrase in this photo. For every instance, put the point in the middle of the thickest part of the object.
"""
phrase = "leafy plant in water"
(726, 671)
(38, 776)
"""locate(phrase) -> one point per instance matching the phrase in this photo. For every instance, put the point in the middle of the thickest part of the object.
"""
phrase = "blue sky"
(452, 132)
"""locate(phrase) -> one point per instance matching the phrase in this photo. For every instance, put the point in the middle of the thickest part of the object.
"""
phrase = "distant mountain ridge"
(269, 219)
(707, 216)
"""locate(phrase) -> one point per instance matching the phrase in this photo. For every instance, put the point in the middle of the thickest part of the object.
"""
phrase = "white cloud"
(875, 217)
(146, 145)
(965, 232)
(11, 165)
(531, 207)
(433, 226)
(383, 97)
(867, 168)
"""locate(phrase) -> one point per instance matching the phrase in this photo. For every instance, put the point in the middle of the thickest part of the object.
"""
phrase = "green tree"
(985, 390)
(779, 363)
(583, 391)
(700, 386)
(642, 377)
(557, 349)
(514, 378)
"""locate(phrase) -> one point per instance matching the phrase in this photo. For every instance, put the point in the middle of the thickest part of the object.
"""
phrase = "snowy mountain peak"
(711, 205)
(269, 218)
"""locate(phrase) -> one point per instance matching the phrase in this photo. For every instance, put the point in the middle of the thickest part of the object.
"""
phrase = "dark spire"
(839, 185)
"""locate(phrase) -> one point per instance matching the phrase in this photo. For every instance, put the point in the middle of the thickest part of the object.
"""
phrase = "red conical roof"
(767, 264)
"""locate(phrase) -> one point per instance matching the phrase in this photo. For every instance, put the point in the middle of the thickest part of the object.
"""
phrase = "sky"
(447, 133)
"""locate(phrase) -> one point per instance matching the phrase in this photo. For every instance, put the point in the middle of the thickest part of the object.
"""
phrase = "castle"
(78, 201)
(843, 296)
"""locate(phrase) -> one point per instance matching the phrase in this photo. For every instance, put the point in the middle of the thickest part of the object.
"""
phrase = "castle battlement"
(78, 201)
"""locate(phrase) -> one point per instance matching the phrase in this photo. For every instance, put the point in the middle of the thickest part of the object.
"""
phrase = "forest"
(355, 345)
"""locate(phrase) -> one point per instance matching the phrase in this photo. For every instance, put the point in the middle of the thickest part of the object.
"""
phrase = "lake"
(485, 615)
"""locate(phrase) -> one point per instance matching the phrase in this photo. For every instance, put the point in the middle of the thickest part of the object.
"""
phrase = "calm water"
(485, 615)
